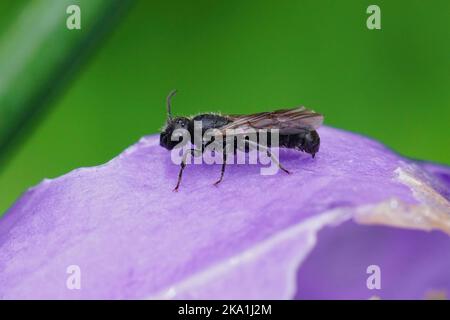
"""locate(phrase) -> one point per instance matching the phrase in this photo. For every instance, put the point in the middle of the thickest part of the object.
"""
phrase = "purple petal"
(413, 264)
(132, 237)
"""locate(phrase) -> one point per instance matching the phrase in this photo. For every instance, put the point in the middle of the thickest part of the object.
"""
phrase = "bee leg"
(277, 162)
(269, 154)
(222, 171)
(183, 165)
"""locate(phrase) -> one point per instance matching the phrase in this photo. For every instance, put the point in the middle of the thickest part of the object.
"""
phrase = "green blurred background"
(240, 57)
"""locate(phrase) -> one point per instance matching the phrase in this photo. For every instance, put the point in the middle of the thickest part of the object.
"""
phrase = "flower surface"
(311, 234)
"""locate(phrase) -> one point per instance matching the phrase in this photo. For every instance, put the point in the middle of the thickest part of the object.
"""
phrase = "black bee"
(297, 130)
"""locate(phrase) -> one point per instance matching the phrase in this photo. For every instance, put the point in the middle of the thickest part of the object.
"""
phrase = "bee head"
(312, 142)
(172, 133)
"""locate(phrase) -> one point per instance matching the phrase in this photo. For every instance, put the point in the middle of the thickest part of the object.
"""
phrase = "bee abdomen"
(292, 141)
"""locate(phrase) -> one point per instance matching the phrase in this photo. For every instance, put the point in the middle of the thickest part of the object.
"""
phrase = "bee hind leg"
(269, 154)
(277, 162)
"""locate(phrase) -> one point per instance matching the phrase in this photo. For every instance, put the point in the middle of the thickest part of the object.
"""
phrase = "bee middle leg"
(192, 151)
(222, 171)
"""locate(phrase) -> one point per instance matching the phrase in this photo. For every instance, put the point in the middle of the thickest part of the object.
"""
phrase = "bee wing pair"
(287, 121)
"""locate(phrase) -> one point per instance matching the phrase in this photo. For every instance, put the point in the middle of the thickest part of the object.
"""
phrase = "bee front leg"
(183, 165)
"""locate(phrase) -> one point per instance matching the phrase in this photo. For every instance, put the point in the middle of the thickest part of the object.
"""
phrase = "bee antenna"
(169, 108)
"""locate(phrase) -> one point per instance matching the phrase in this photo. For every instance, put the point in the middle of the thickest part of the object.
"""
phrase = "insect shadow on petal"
(296, 127)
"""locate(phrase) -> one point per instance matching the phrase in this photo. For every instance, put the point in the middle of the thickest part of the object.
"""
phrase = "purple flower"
(125, 234)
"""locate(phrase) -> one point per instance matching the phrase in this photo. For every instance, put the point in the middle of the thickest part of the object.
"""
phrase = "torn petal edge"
(432, 213)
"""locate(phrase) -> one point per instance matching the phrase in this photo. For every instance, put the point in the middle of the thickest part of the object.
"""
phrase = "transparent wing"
(287, 121)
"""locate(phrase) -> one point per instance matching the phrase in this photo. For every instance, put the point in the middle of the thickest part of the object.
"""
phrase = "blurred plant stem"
(39, 55)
